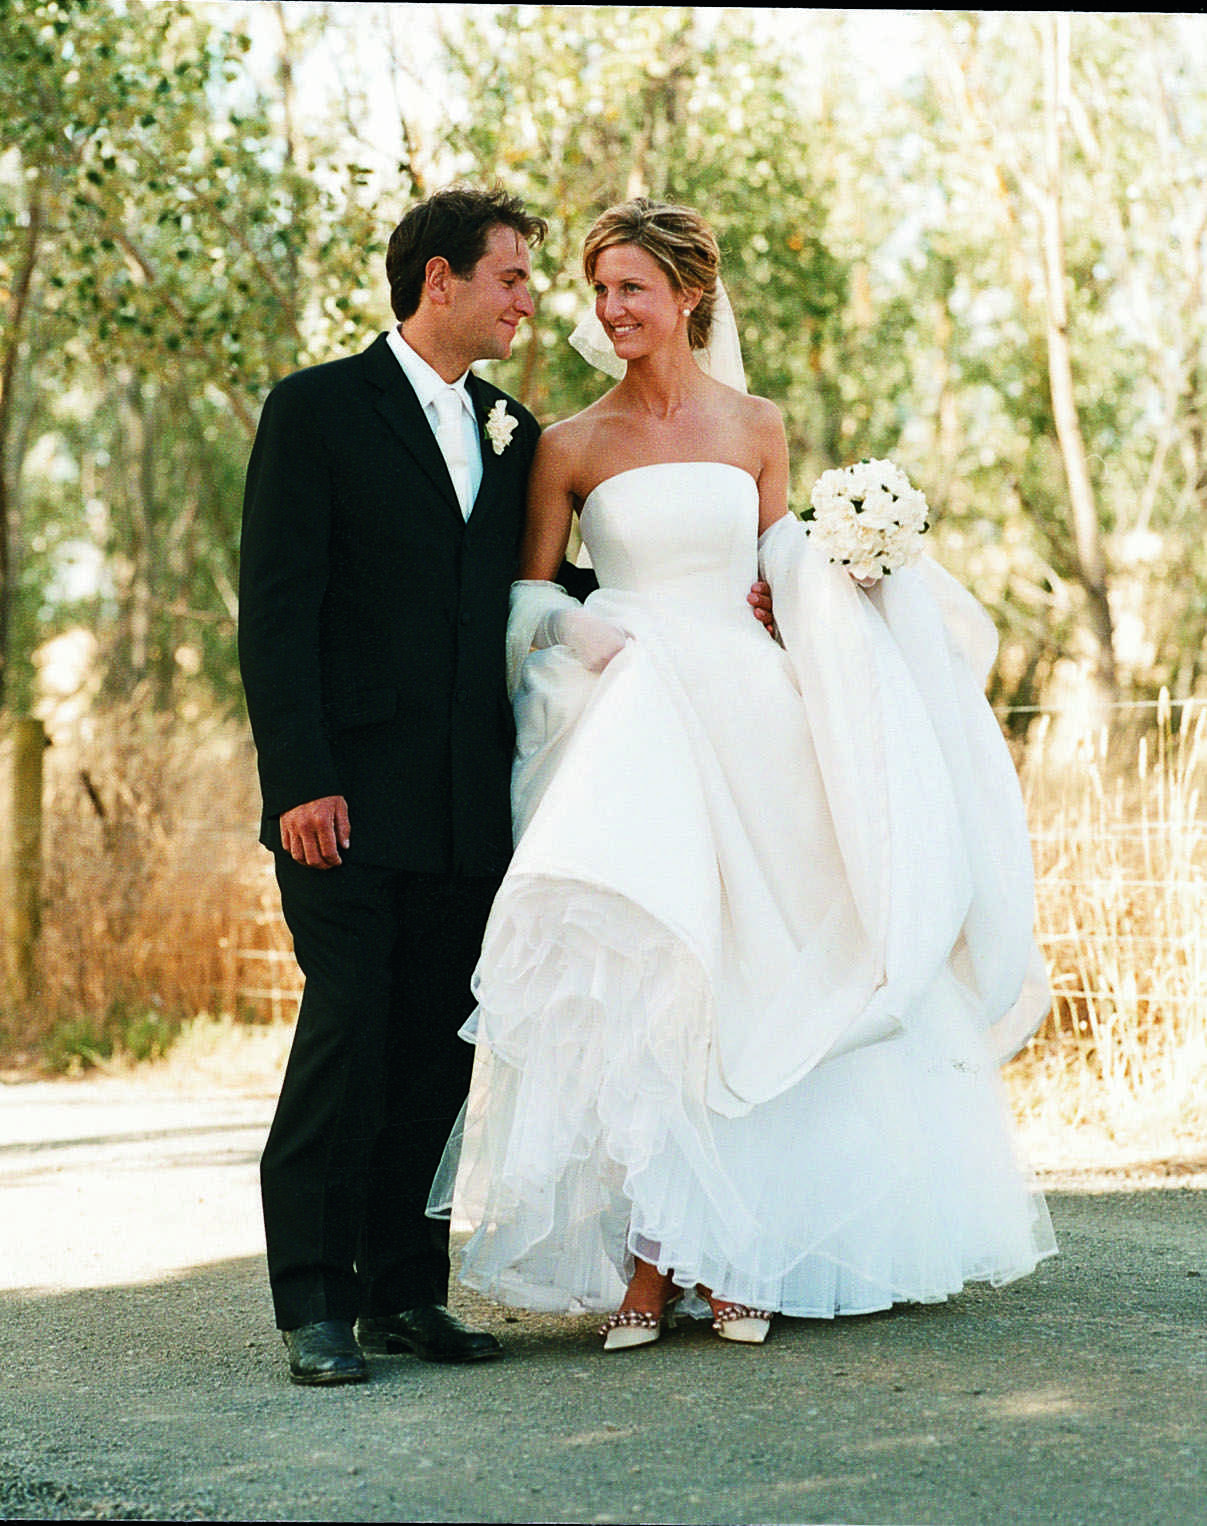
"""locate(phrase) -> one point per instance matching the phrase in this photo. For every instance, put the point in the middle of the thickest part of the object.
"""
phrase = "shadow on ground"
(1074, 1396)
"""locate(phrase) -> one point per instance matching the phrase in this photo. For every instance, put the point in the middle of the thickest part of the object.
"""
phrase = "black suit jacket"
(373, 616)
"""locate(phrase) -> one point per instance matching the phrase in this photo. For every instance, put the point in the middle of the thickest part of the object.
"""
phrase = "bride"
(766, 936)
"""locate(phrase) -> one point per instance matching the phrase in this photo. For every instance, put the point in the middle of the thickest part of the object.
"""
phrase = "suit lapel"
(396, 402)
(492, 462)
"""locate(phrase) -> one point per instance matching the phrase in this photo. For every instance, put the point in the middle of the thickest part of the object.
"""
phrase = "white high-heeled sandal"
(635, 1327)
(739, 1322)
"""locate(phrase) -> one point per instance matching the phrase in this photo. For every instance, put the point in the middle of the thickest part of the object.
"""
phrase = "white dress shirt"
(427, 384)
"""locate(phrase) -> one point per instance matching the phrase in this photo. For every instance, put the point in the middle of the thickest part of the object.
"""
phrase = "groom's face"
(488, 307)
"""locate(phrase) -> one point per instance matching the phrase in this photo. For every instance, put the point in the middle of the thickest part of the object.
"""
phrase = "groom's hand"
(312, 834)
(759, 599)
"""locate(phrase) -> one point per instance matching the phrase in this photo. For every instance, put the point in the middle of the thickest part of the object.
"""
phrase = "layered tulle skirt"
(885, 1175)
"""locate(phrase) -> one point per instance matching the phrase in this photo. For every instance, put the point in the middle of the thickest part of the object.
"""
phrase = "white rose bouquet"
(868, 517)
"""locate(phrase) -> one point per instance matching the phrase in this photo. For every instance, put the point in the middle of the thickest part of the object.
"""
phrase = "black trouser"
(375, 1080)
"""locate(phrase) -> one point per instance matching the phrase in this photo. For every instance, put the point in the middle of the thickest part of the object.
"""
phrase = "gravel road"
(142, 1379)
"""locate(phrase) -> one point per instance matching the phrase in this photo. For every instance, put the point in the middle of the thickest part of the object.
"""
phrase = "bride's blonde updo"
(677, 238)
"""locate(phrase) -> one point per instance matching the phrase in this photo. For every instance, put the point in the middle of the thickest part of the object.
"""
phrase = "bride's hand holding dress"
(591, 641)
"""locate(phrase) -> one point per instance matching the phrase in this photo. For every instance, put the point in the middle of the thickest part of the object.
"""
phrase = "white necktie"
(450, 435)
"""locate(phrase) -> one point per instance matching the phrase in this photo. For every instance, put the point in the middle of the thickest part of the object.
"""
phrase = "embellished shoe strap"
(725, 1313)
(627, 1318)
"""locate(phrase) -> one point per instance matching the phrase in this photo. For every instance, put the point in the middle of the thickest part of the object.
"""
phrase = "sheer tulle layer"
(887, 1175)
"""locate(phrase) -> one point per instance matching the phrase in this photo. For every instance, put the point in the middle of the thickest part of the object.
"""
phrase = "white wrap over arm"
(910, 658)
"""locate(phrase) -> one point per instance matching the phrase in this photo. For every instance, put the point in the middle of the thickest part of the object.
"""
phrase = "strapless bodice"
(685, 531)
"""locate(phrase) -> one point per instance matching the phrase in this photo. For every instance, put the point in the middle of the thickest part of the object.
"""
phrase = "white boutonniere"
(500, 426)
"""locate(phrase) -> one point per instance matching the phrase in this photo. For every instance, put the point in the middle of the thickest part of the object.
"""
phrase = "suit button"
(466, 617)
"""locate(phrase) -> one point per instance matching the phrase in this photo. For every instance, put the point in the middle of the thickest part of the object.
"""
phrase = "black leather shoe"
(325, 1352)
(430, 1331)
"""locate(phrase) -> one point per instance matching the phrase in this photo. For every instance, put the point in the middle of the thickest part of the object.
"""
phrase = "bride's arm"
(773, 492)
(550, 507)
(773, 473)
(551, 499)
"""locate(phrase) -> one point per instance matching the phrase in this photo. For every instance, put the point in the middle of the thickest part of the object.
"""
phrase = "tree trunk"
(1087, 534)
(22, 742)
(18, 307)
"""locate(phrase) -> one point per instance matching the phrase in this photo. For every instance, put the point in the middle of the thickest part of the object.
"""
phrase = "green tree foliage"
(580, 107)
(184, 256)
(1131, 108)
(178, 228)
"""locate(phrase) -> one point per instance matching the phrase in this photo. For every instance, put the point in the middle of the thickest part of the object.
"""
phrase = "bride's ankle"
(649, 1289)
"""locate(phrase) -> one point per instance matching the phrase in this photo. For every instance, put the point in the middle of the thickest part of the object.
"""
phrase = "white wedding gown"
(765, 939)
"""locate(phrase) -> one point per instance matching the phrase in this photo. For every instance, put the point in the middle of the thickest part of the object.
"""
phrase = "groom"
(381, 529)
(382, 521)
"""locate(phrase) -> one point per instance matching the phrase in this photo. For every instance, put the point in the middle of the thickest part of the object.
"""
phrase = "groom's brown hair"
(454, 223)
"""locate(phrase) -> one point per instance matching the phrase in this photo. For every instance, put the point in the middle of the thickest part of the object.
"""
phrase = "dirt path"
(142, 1379)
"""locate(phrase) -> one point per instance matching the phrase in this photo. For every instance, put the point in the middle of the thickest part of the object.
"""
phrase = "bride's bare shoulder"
(762, 421)
(746, 409)
(571, 441)
(571, 433)
(757, 412)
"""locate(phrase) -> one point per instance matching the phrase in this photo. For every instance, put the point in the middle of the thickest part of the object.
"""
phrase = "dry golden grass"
(210, 1055)
(158, 905)
(1121, 864)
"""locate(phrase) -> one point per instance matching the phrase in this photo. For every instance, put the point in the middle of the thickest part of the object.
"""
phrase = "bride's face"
(634, 300)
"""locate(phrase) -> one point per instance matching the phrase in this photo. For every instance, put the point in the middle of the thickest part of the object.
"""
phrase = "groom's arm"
(577, 581)
(283, 575)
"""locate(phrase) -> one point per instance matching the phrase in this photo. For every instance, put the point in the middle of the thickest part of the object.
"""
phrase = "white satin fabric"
(764, 940)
